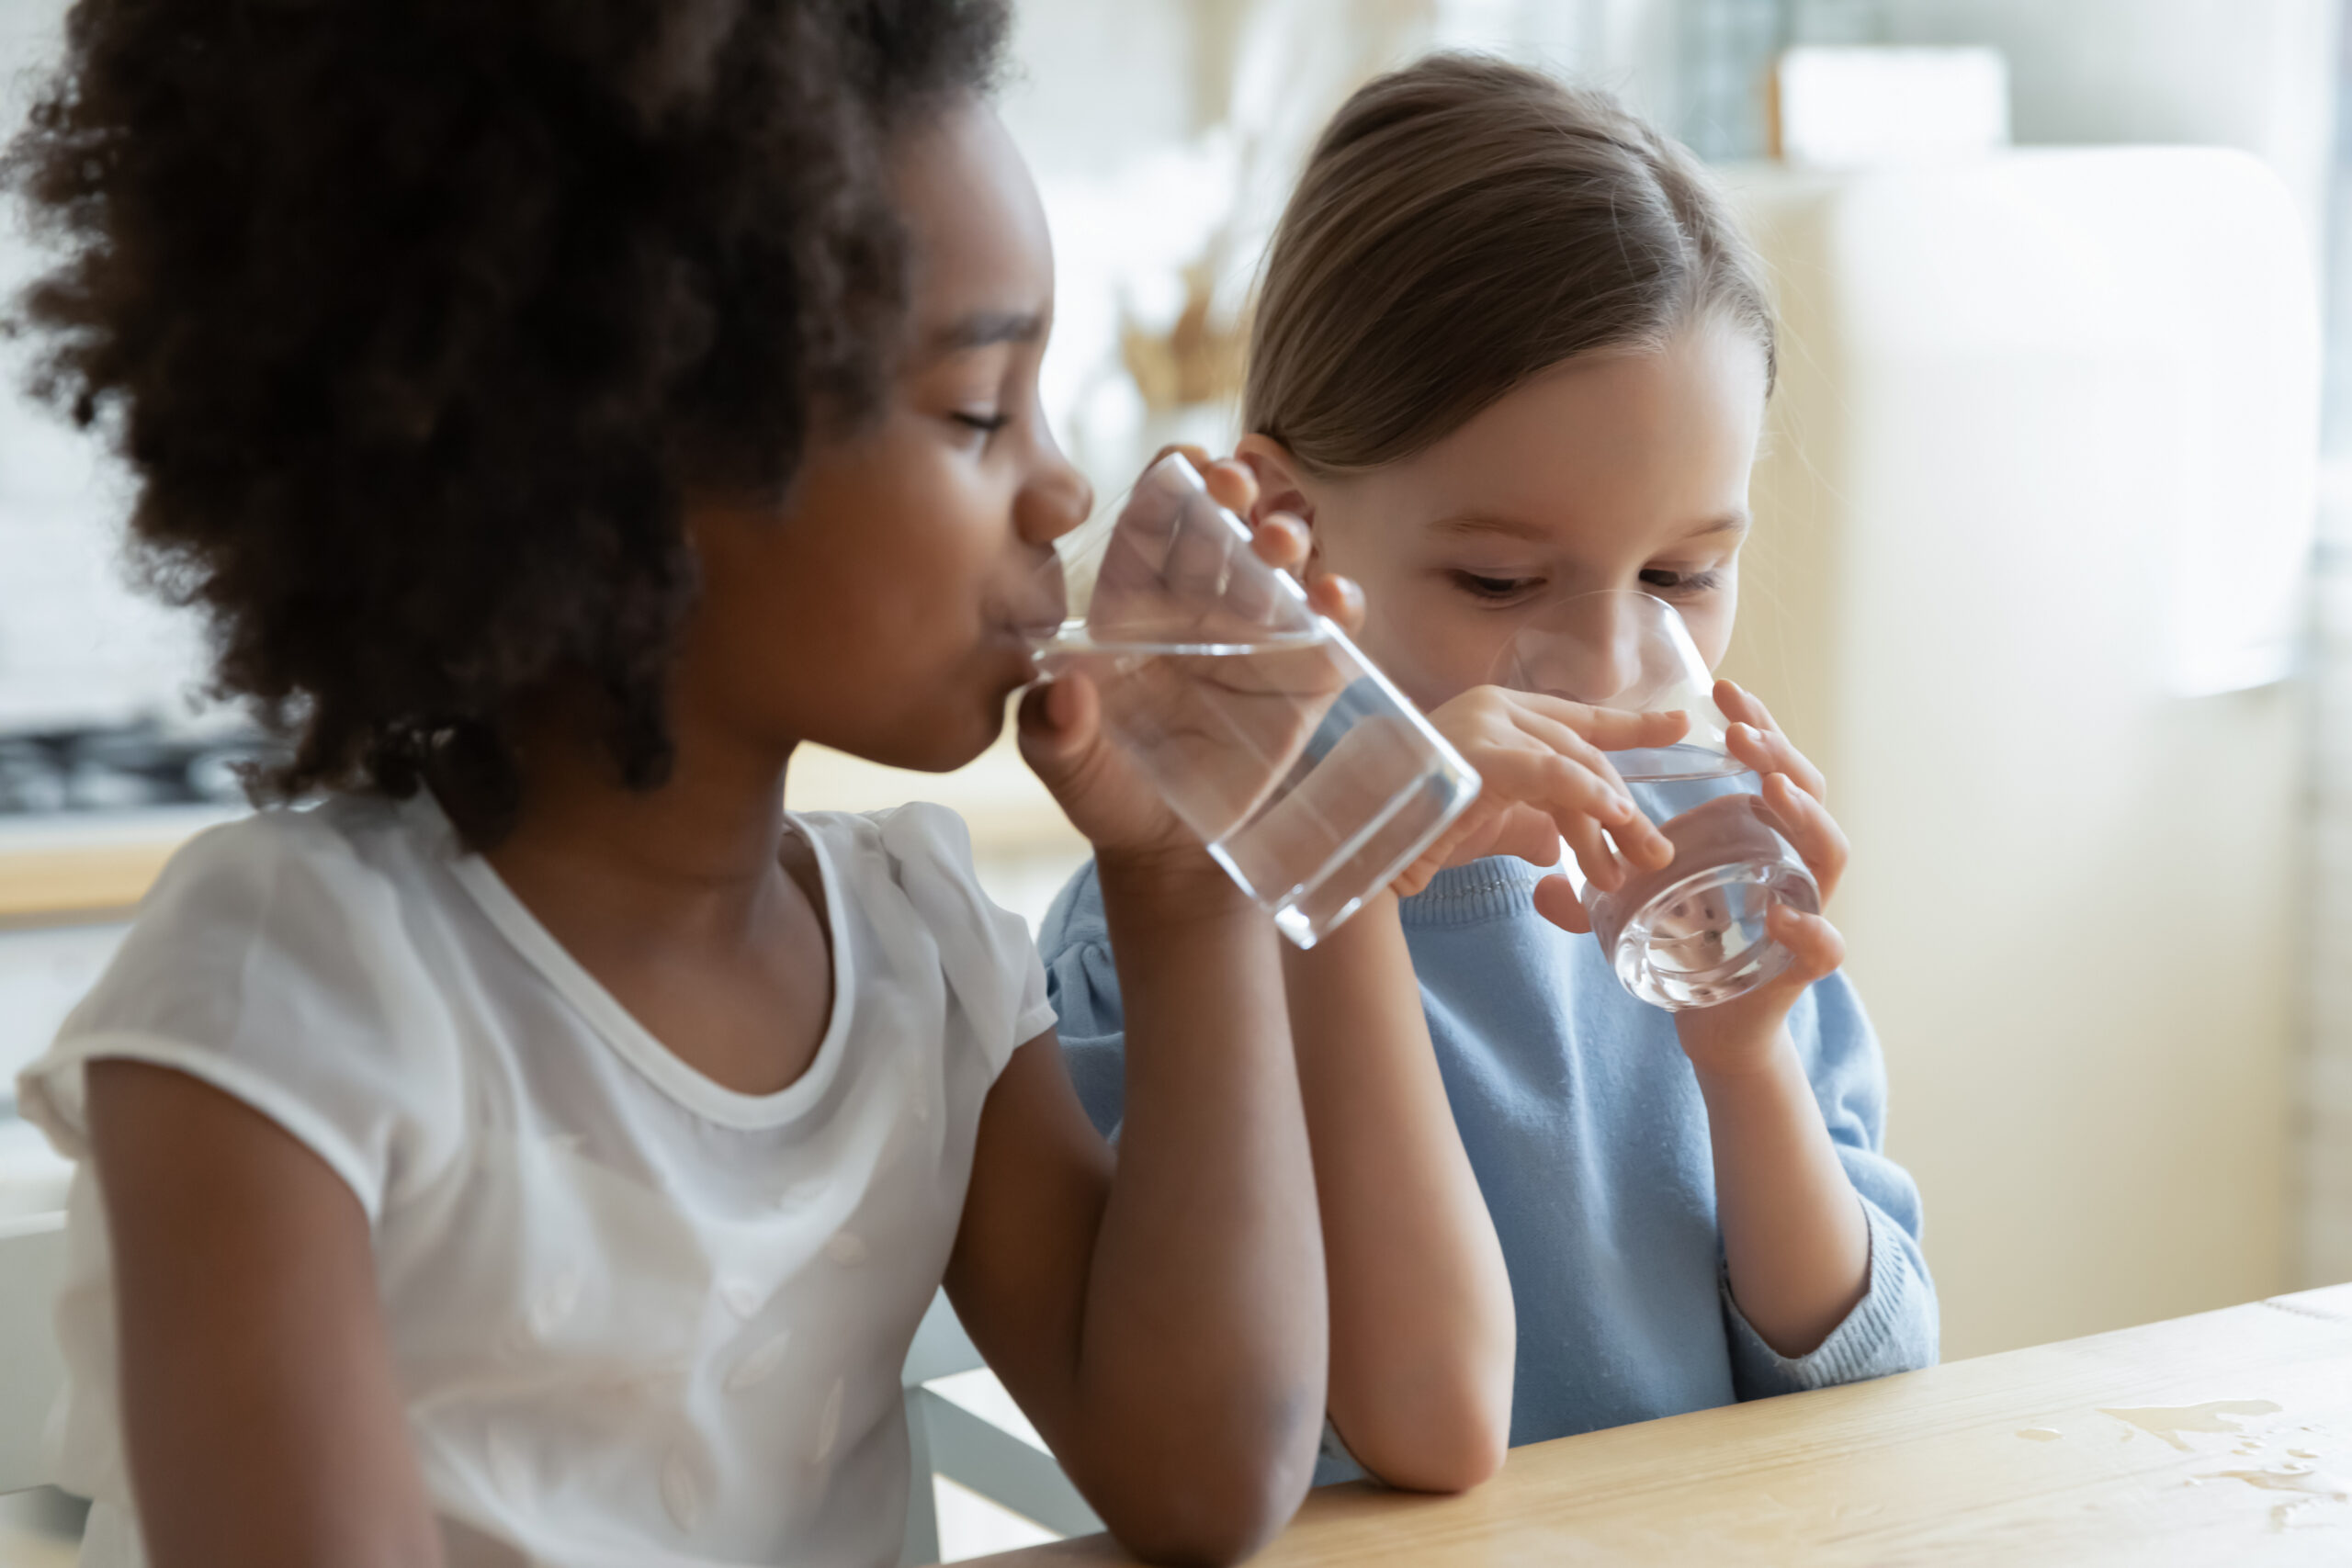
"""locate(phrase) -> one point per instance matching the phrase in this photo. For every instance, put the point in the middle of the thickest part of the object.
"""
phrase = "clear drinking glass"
(1691, 934)
(1309, 777)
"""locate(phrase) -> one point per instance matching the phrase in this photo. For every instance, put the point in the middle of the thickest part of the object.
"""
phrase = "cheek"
(1434, 647)
(1417, 627)
(1711, 626)
(902, 543)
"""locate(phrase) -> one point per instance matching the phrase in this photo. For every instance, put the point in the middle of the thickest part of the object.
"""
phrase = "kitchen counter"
(76, 867)
(72, 868)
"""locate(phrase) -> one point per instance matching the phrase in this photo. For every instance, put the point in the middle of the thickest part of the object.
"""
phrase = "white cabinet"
(42, 973)
(2034, 500)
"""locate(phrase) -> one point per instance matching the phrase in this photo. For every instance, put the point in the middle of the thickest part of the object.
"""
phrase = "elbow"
(1449, 1440)
(1214, 1532)
(1212, 1509)
(1443, 1466)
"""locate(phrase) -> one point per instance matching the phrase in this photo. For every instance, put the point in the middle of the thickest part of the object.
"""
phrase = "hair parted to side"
(418, 320)
(1464, 225)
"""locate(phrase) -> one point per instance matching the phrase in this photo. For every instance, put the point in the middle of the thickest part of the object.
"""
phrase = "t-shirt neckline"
(634, 1043)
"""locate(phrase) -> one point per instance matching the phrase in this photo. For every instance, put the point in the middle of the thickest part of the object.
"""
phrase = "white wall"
(2260, 75)
(75, 645)
(2255, 75)
(2018, 397)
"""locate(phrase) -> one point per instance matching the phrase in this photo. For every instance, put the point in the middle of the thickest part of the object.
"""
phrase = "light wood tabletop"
(2224, 1439)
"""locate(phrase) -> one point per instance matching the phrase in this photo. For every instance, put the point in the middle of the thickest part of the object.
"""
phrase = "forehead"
(978, 230)
(1656, 440)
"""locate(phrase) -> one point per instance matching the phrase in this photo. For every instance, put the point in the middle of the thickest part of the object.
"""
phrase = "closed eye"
(986, 423)
(1667, 580)
(1479, 586)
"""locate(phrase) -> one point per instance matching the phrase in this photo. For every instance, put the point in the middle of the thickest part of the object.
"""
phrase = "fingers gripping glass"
(1309, 777)
(1692, 933)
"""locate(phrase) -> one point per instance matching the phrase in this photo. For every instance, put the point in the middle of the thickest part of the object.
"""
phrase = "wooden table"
(2224, 1438)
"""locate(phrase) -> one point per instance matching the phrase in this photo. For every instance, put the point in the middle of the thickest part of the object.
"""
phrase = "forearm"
(1796, 1244)
(1205, 1310)
(1422, 1331)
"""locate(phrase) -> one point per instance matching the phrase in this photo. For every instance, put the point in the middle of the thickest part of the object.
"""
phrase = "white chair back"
(32, 1269)
(950, 1441)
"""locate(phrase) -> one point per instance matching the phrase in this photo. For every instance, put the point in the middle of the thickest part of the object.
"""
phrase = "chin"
(941, 742)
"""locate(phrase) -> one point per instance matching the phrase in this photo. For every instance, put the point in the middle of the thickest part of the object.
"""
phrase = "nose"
(1056, 499)
(1589, 649)
(1610, 654)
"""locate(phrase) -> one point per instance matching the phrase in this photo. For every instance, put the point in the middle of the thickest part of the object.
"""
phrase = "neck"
(696, 853)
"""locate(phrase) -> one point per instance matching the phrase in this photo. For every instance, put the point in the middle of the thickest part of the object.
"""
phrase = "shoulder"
(1082, 982)
(917, 849)
(1076, 918)
(908, 872)
(1829, 1023)
(281, 960)
(347, 842)
(325, 883)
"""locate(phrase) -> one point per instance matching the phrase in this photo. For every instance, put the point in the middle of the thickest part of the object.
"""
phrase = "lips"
(1019, 645)
(1033, 604)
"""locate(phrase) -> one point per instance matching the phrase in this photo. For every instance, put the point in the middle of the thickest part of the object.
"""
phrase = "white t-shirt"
(638, 1318)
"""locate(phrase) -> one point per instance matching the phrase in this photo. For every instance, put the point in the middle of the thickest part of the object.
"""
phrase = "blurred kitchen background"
(2051, 574)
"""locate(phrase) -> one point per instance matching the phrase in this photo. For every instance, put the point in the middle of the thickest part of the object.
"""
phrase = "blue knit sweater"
(1584, 1123)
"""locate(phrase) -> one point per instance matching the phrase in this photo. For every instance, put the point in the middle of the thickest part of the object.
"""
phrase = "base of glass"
(1370, 862)
(1701, 940)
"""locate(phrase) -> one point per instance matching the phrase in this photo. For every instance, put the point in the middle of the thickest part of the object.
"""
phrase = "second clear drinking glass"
(1309, 777)
(1691, 934)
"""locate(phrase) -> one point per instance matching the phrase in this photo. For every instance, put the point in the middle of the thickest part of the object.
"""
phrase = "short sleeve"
(1895, 1327)
(1082, 981)
(990, 962)
(273, 962)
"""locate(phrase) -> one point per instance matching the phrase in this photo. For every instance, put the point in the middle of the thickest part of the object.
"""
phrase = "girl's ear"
(1282, 482)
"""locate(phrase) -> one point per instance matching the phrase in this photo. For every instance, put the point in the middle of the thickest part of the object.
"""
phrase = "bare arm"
(1422, 1332)
(1796, 1244)
(1162, 1319)
(262, 1422)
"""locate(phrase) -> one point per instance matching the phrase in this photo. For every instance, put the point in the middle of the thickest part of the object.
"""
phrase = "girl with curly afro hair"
(523, 1140)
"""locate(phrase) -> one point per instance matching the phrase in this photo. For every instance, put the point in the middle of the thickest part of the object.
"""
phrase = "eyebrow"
(1469, 523)
(1466, 524)
(1729, 522)
(985, 328)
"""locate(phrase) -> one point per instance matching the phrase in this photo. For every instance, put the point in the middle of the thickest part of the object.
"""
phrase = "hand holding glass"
(1692, 933)
(1307, 775)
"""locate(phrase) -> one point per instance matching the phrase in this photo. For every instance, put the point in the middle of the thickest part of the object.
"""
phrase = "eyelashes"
(1688, 582)
(985, 424)
(1493, 587)
(1661, 581)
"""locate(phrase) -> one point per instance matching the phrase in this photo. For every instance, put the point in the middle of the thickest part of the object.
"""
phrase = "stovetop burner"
(122, 767)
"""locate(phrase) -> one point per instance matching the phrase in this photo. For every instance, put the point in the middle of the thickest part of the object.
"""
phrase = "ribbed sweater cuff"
(1873, 1341)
